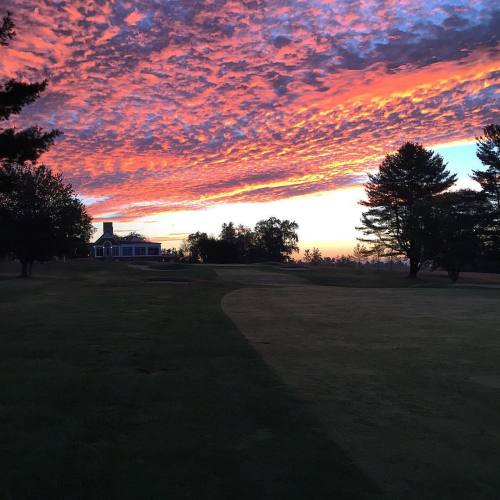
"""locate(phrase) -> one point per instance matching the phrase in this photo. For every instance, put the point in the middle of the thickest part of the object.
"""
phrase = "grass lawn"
(124, 382)
(407, 380)
(115, 386)
(372, 278)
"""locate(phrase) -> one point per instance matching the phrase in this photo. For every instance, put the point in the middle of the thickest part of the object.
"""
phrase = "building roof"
(114, 239)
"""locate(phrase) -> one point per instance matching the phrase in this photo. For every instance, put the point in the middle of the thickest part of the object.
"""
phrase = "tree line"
(412, 212)
(271, 239)
(357, 259)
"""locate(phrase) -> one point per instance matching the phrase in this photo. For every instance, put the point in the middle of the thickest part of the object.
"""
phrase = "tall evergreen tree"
(397, 194)
(28, 144)
(488, 151)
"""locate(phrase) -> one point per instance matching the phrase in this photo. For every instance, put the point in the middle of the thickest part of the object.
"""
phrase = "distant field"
(124, 382)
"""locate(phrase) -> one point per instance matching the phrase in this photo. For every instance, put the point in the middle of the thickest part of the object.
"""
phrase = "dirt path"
(395, 377)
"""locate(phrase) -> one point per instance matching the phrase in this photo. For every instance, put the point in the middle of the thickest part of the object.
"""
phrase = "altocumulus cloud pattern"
(177, 104)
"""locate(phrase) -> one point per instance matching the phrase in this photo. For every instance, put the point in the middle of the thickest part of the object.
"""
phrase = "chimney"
(107, 228)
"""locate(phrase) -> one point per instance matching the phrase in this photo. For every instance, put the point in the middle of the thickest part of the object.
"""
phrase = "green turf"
(407, 380)
(173, 270)
(362, 278)
(116, 387)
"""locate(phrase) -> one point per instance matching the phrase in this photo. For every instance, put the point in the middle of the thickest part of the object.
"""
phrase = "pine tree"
(397, 196)
(6, 29)
(488, 151)
(28, 144)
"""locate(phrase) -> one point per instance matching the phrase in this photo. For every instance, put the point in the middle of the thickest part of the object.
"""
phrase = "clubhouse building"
(111, 246)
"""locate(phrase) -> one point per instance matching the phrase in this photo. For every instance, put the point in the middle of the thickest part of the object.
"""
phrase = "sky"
(179, 115)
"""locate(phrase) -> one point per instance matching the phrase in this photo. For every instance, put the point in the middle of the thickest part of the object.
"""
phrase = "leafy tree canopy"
(133, 236)
(277, 239)
(40, 215)
(272, 239)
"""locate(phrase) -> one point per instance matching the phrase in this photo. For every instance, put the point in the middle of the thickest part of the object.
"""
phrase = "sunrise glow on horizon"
(326, 220)
(179, 115)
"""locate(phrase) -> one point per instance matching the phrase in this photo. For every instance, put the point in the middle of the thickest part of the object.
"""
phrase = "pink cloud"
(167, 106)
(133, 18)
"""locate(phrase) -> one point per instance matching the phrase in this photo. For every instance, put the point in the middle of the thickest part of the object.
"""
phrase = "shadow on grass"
(145, 391)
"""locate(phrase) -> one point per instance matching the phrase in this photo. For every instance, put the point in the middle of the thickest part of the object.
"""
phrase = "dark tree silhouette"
(275, 239)
(360, 253)
(229, 247)
(7, 29)
(406, 180)
(196, 246)
(313, 256)
(488, 151)
(237, 243)
(456, 223)
(272, 239)
(133, 236)
(228, 232)
(41, 215)
(208, 249)
(28, 144)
